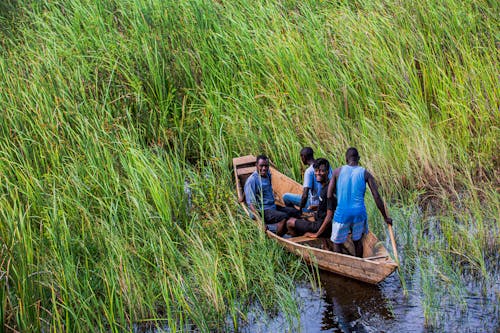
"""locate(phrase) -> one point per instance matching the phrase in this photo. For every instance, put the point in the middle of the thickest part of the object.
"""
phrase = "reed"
(109, 108)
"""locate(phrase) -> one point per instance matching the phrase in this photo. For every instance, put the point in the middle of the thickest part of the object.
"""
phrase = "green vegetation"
(108, 107)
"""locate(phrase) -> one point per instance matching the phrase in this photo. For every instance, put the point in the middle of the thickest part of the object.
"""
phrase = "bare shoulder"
(368, 176)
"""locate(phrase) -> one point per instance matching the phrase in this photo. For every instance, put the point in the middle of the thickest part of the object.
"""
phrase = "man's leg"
(281, 230)
(301, 226)
(290, 211)
(272, 216)
(358, 229)
(337, 248)
(327, 244)
(290, 225)
(339, 235)
(358, 247)
(291, 199)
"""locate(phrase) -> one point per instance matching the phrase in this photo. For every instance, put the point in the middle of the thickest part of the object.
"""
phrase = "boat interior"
(245, 166)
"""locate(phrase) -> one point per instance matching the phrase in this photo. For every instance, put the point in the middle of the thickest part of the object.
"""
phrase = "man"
(260, 197)
(322, 225)
(349, 183)
(309, 199)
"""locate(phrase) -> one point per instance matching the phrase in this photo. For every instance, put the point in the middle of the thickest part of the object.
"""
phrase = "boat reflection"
(353, 305)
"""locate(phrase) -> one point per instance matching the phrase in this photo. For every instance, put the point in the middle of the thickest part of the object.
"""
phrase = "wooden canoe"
(376, 263)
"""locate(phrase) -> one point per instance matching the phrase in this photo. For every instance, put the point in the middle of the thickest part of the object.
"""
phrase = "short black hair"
(321, 161)
(261, 157)
(352, 153)
(307, 152)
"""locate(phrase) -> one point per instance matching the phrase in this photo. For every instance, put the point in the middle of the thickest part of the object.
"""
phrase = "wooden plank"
(282, 184)
(244, 160)
(245, 171)
(238, 172)
(300, 239)
(239, 187)
(376, 257)
(341, 263)
(371, 272)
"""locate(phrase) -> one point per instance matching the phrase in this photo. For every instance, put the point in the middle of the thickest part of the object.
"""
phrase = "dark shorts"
(272, 216)
(303, 226)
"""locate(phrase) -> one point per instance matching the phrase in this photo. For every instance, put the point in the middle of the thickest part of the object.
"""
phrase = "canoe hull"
(368, 270)
(373, 268)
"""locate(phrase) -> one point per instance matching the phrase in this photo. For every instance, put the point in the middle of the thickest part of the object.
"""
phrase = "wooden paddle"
(393, 243)
(391, 234)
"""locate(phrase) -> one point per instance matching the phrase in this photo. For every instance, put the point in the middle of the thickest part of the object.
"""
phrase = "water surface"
(346, 305)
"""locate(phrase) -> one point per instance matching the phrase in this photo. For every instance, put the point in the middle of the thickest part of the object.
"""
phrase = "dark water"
(345, 305)
(465, 302)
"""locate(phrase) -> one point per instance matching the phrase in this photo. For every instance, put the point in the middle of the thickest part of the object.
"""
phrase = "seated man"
(322, 225)
(260, 197)
(309, 199)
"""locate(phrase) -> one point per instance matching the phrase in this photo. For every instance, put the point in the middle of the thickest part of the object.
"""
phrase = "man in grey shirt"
(260, 198)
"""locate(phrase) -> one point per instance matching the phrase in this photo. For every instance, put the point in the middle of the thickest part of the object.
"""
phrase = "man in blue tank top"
(349, 183)
(260, 198)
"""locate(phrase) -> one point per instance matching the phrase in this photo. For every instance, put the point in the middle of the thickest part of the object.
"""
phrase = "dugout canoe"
(373, 268)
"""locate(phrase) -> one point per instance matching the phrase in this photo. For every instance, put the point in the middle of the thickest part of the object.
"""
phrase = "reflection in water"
(343, 305)
(352, 305)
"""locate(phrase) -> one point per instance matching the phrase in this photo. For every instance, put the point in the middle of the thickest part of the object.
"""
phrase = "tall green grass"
(108, 107)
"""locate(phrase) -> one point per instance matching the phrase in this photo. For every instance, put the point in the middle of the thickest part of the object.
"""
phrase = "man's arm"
(333, 183)
(308, 184)
(254, 211)
(303, 199)
(326, 221)
(250, 196)
(376, 196)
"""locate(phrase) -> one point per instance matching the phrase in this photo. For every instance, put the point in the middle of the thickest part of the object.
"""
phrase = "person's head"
(306, 155)
(321, 170)
(262, 164)
(352, 155)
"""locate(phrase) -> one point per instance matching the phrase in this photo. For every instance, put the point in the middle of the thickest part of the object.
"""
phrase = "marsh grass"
(109, 107)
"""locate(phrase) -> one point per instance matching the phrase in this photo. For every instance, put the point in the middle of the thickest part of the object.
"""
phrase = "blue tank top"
(351, 187)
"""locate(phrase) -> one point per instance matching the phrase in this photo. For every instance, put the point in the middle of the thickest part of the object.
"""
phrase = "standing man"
(322, 225)
(260, 197)
(349, 183)
(310, 189)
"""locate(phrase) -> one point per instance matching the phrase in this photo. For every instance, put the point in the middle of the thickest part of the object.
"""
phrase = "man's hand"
(311, 235)
(388, 220)
(313, 207)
